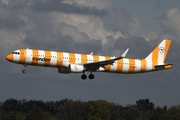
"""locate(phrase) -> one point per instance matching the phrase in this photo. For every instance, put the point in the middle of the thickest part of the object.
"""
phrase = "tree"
(131, 113)
(35, 114)
(73, 110)
(173, 113)
(10, 104)
(99, 110)
(144, 104)
(116, 111)
(10, 116)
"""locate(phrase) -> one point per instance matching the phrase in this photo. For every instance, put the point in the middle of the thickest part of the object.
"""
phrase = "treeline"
(65, 109)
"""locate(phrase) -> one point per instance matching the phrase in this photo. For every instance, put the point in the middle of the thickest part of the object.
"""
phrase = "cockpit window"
(17, 53)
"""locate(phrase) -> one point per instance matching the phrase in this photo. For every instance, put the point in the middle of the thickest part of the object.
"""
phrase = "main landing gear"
(24, 71)
(91, 76)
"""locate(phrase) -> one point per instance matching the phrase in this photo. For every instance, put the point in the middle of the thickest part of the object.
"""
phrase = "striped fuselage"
(64, 59)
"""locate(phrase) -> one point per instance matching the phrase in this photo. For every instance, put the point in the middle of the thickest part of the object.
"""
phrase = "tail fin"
(158, 55)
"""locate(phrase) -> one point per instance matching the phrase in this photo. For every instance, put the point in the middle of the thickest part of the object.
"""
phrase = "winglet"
(125, 52)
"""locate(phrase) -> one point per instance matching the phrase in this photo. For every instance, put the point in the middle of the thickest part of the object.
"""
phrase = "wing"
(96, 65)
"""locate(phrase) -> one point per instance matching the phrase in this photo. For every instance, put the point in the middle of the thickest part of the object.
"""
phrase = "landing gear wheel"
(91, 76)
(83, 77)
(23, 71)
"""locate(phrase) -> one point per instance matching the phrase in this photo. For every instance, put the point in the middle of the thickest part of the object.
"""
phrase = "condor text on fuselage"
(41, 59)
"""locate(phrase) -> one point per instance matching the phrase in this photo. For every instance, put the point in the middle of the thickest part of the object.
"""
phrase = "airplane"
(81, 63)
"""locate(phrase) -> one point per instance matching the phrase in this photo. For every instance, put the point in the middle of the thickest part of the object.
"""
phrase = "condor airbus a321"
(80, 63)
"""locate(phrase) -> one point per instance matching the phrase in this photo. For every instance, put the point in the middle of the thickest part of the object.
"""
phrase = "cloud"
(84, 27)
(121, 20)
(158, 4)
(138, 47)
(61, 6)
(11, 40)
(40, 39)
(170, 23)
(9, 20)
(100, 4)
(65, 29)
(92, 26)
(5, 1)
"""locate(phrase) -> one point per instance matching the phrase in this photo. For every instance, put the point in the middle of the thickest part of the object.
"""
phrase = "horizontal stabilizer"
(163, 66)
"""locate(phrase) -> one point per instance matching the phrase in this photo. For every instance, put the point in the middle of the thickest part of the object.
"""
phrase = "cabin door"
(144, 65)
(59, 59)
(26, 53)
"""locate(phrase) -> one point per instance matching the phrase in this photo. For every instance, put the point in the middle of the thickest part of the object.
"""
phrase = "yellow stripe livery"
(81, 63)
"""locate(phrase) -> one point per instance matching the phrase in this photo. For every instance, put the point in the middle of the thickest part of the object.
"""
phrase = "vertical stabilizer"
(158, 55)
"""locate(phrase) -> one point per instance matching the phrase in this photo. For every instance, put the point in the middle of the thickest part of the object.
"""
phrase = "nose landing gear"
(24, 71)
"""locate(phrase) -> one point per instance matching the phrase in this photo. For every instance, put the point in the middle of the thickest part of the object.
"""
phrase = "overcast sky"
(106, 27)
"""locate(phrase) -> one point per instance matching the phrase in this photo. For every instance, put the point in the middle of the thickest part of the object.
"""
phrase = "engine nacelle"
(73, 68)
(64, 70)
(76, 68)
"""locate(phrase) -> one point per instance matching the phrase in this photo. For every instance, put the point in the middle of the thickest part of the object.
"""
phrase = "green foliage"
(12, 109)
(10, 104)
(99, 110)
(73, 110)
(173, 113)
(116, 111)
(131, 113)
(35, 114)
(145, 104)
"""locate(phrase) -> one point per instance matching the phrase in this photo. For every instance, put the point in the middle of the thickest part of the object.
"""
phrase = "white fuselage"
(64, 59)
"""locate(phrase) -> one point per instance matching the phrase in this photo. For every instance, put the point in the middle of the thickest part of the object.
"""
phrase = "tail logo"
(161, 49)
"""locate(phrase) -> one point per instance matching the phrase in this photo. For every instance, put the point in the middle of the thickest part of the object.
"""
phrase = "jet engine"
(76, 68)
(64, 70)
(73, 68)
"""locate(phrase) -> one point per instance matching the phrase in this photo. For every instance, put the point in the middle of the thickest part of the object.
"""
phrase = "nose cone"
(9, 57)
